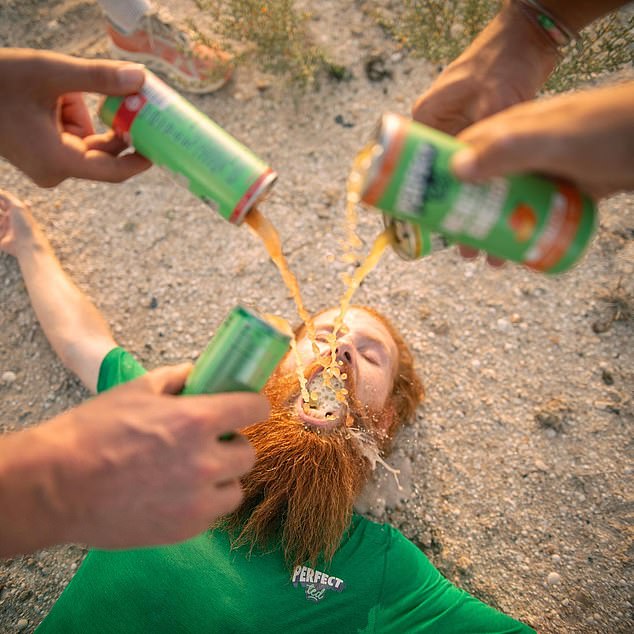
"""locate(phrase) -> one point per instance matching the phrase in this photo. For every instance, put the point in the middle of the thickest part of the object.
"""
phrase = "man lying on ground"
(294, 557)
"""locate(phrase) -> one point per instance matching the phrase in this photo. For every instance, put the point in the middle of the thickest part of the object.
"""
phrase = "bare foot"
(18, 228)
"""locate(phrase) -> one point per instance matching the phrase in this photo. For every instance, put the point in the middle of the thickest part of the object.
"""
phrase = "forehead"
(357, 320)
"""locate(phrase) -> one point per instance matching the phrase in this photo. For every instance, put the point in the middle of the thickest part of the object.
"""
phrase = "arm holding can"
(507, 63)
(45, 128)
(134, 466)
(586, 138)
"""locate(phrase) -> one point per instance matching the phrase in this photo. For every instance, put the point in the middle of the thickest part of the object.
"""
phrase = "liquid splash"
(265, 230)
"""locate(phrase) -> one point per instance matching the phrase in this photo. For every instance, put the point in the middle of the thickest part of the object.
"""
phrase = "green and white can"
(240, 357)
(167, 129)
(541, 223)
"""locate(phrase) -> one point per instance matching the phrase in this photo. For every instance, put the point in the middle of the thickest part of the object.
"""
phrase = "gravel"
(519, 466)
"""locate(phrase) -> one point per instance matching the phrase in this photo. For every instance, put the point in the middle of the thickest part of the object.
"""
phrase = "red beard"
(301, 491)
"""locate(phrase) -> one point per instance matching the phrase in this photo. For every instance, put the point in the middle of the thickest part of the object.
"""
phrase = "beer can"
(411, 241)
(167, 129)
(542, 223)
(240, 357)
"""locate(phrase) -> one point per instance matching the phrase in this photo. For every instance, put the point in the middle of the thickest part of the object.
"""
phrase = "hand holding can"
(541, 223)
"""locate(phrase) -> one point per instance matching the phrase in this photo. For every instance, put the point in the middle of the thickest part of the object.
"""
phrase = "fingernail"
(131, 76)
(464, 164)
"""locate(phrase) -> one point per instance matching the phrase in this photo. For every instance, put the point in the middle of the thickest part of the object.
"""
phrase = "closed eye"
(371, 357)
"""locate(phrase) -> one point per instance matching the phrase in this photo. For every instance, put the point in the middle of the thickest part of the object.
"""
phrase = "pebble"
(553, 579)
(542, 466)
(556, 559)
(22, 624)
(550, 433)
(8, 377)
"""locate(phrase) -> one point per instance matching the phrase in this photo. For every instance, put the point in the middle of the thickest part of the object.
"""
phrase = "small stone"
(9, 377)
(515, 318)
(262, 84)
(607, 377)
(556, 558)
(22, 624)
(553, 579)
(551, 433)
(542, 466)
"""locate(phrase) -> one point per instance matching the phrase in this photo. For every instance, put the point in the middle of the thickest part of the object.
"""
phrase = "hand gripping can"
(541, 223)
(167, 129)
(240, 357)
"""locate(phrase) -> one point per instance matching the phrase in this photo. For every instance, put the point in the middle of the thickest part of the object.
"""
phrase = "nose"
(344, 352)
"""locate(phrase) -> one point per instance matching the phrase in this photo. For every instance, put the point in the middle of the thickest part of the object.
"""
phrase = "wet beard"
(301, 491)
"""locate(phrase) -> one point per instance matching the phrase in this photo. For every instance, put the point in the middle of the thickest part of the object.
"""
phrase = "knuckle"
(47, 177)
(100, 75)
(503, 139)
(246, 459)
(208, 471)
(231, 498)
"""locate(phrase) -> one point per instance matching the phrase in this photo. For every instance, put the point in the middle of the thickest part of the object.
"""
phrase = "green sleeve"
(117, 367)
(417, 598)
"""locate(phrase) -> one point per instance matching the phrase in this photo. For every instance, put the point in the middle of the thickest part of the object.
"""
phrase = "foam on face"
(323, 401)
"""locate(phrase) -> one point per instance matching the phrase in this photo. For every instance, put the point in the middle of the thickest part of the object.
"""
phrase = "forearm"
(29, 506)
(72, 324)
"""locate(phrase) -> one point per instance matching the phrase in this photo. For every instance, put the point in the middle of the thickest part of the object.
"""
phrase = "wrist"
(518, 22)
(31, 243)
(551, 24)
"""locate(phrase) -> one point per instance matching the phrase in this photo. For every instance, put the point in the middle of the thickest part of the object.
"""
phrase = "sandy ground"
(519, 462)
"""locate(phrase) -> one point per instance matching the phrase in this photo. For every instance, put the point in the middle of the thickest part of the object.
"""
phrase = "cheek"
(289, 363)
(372, 392)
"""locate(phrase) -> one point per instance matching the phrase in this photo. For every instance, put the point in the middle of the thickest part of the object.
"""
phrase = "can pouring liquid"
(167, 129)
(541, 223)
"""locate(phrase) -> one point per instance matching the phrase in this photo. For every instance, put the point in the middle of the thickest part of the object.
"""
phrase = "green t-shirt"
(378, 581)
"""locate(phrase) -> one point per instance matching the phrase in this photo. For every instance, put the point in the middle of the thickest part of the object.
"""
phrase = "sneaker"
(162, 47)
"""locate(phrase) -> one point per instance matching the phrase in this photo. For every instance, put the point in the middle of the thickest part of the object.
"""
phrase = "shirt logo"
(316, 582)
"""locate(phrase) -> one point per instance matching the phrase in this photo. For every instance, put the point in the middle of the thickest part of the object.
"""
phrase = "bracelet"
(556, 30)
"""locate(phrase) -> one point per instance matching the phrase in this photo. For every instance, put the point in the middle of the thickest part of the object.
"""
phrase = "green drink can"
(541, 223)
(411, 241)
(240, 357)
(167, 129)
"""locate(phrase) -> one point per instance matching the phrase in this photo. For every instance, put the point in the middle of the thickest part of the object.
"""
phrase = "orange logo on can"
(560, 230)
(523, 221)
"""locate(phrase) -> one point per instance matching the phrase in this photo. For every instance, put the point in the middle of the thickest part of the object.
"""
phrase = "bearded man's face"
(313, 460)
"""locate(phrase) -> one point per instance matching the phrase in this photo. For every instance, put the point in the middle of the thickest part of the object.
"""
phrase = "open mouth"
(323, 410)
